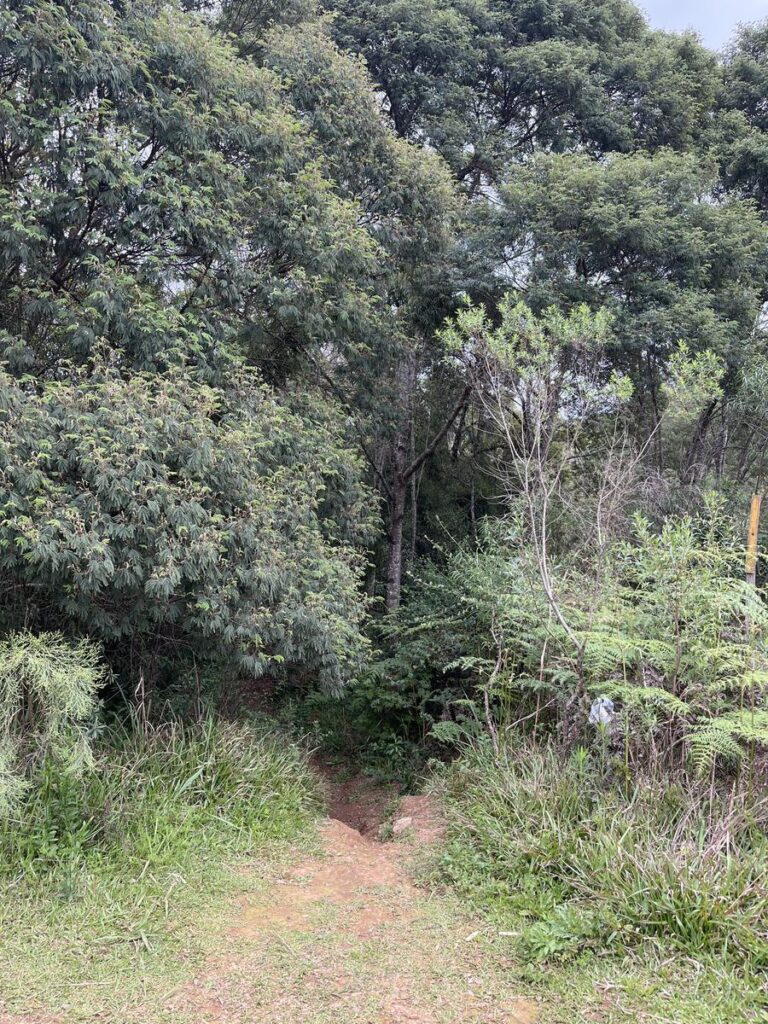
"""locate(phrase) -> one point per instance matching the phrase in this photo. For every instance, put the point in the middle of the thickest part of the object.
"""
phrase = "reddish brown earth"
(369, 946)
(355, 800)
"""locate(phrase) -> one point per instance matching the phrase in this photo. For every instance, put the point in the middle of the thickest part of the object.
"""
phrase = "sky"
(714, 20)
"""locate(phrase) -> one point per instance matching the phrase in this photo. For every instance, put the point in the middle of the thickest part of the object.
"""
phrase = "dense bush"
(663, 624)
(168, 518)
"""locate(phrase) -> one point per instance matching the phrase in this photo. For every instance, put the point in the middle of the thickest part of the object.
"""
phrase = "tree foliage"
(158, 193)
(641, 235)
(169, 518)
(488, 81)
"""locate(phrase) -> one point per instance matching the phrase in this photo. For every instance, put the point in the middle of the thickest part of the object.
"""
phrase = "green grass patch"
(576, 872)
(107, 874)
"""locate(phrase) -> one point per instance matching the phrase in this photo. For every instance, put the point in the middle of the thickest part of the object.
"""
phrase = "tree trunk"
(395, 544)
(693, 466)
(404, 468)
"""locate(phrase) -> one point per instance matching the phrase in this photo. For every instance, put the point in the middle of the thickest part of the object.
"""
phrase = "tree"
(173, 520)
(645, 237)
(743, 127)
(487, 82)
(158, 194)
(406, 203)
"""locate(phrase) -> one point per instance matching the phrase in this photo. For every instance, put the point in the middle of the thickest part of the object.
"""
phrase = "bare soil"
(356, 941)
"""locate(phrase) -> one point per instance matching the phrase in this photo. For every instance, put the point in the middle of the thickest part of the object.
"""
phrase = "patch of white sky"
(714, 20)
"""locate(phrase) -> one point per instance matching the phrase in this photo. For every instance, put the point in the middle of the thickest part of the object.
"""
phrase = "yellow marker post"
(752, 532)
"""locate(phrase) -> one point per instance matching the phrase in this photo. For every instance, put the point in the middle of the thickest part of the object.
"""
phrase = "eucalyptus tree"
(560, 119)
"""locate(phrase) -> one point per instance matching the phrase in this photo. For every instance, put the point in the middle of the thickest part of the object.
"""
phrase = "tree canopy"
(259, 217)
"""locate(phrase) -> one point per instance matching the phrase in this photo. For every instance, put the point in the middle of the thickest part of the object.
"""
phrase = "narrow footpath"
(345, 937)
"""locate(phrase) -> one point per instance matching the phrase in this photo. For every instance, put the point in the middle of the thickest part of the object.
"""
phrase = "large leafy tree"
(586, 143)
(743, 126)
(406, 203)
(158, 194)
(172, 519)
(645, 237)
(165, 214)
(488, 81)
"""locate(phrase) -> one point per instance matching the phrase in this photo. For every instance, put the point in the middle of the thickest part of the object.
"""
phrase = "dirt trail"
(347, 938)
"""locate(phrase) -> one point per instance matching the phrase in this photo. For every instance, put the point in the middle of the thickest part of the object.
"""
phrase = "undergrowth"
(368, 729)
(105, 871)
(156, 795)
(573, 865)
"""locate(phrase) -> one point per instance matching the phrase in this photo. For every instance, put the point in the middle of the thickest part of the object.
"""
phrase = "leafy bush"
(554, 847)
(371, 727)
(664, 624)
(168, 518)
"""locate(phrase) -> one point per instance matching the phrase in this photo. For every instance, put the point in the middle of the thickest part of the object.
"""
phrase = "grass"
(604, 908)
(106, 875)
(588, 881)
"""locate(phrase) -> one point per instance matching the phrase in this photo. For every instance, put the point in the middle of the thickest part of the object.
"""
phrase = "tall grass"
(580, 864)
(115, 879)
(155, 796)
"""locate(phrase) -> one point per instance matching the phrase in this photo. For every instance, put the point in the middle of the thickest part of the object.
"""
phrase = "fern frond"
(644, 697)
(722, 737)
(710, 743)
(748, 725)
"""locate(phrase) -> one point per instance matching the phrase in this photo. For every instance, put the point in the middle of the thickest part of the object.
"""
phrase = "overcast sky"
(714, 20)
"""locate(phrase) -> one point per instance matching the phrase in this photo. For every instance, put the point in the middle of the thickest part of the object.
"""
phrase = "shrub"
(664, 624)
(47, 695)
(170, 519)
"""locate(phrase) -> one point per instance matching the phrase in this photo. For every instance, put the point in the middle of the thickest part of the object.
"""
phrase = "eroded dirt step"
(355, 799)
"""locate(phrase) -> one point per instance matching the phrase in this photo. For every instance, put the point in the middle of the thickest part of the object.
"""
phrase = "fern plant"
(724, 737)
(666, 626)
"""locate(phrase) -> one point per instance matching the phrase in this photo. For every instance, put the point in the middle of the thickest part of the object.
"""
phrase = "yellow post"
(752, 532)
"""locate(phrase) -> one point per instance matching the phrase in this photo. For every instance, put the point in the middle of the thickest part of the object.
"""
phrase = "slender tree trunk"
(403, 470)
(692, 466)
(414, 488)
(656, 413)
(395, 544)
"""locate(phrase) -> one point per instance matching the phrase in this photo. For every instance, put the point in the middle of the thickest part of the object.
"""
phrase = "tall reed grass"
(156, 795)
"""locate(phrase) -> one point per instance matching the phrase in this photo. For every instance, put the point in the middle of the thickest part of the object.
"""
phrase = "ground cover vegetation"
(408, 360)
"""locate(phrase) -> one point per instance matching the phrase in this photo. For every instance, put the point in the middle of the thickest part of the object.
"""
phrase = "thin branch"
(419, 461)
